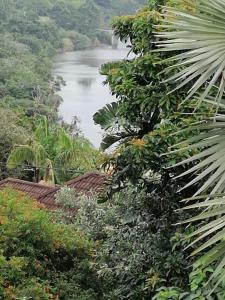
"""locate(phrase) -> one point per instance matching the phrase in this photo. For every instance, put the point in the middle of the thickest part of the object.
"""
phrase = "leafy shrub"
(197, 289)
(133, 230)
(41, 259)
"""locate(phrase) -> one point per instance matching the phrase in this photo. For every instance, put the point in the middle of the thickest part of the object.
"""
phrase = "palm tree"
(32, 153)
(198, 40)
(53, 151)
(75, 153)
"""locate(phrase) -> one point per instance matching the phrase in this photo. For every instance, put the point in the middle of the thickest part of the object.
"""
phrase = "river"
(84, 92)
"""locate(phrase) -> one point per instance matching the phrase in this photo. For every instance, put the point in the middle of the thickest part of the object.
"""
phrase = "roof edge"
(79, 178)
(16, 180)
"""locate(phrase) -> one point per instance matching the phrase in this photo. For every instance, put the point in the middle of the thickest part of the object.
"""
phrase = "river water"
(84, 92)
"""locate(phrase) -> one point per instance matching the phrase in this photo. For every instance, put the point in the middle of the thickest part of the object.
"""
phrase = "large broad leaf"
(107, 116)
(109, 140)
(108, 119)
(201, 38)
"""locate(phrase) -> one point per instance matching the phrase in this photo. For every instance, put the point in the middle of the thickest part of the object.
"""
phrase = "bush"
(41, 259)
(134, 230)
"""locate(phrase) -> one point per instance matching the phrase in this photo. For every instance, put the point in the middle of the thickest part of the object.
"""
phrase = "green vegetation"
(143, 122)
(203, 68)
(31, 32)
(166, 126)
(54, 153)
(41, 259)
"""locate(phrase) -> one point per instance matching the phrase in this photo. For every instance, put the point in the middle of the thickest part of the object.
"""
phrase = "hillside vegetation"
(168, 167)
(31, 33)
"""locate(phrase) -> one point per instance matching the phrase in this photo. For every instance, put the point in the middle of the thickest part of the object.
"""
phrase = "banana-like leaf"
(107, 116)
(108, 140)
(201, 38)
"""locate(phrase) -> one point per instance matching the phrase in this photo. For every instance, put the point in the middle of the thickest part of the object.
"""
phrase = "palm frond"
(199, 41)
(78, 153)
(32, 153)
(64, 140)
(19, 155)
(208, 164)
(42, 129)
(201, 38)
(209, 159)
(40, 153)
(210, 236)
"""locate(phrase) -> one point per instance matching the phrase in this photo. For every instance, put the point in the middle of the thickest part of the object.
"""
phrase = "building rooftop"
(85, 184)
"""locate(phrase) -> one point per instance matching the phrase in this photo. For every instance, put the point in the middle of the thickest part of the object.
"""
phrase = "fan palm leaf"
(208, 165)
(211, 235)
(201, 38)
(209, 160)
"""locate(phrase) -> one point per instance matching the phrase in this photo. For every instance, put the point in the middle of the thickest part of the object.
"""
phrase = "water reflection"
(86, 82)
(84, 92)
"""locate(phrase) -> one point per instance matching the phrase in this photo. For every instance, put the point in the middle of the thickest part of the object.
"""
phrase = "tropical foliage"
(54, 153)
(134, 258)
(31, 33)
(145, 114)
(151, 109)
(202, 65)
(12, 131)
(41, 259)
(166, 130)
